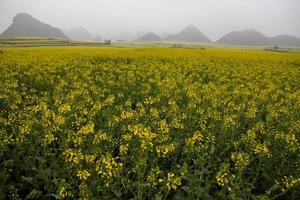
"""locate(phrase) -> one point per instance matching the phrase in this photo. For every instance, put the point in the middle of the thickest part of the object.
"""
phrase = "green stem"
(165, 197)
(255, 178)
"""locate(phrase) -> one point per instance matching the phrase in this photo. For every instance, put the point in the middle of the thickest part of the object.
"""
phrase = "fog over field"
(110, 18)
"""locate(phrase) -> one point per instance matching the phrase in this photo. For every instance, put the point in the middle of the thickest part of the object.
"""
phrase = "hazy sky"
(110, 17)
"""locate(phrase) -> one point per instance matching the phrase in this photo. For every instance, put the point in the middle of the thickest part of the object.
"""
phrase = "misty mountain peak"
(191, 28)
(189, 34)
(284, 36)
(79, 33)
(21, 16)
(26, 25)
(251, 31)
(149, 37)
(251, 37)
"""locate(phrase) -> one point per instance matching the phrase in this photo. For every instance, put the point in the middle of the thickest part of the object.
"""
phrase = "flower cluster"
(149, 123)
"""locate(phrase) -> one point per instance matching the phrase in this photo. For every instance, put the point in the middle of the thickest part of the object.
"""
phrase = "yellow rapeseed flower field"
(149, 123)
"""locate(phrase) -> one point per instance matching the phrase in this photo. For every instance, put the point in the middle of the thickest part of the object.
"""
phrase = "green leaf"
(34, 194)
(27, 179)
(117, 193)
(186, 189)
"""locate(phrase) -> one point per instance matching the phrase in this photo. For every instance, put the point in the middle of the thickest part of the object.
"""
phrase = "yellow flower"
(73, 156)
(241, 160)
(87, 129)
(99, 137)
(154, 112)
(177, 124)
(64, 108)
(24, 129)
(163, 126)
(172, 181)
(288, 182)
(58, 119)
(97, 106)
(108, 167)
(262, 149)
(123, 149)
(63, 190)
(127, 137)
(126, 115)
(49, 138)
(197, 137)
(223, 177)
(152, 178)
(90, 158)
(63, 193)
(149, 100)
(83, 175)
(230, 121)
(289, 139)
(109, 100)
(163, 150)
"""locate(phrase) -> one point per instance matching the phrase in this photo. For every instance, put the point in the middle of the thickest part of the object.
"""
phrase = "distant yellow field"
(149, 123)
